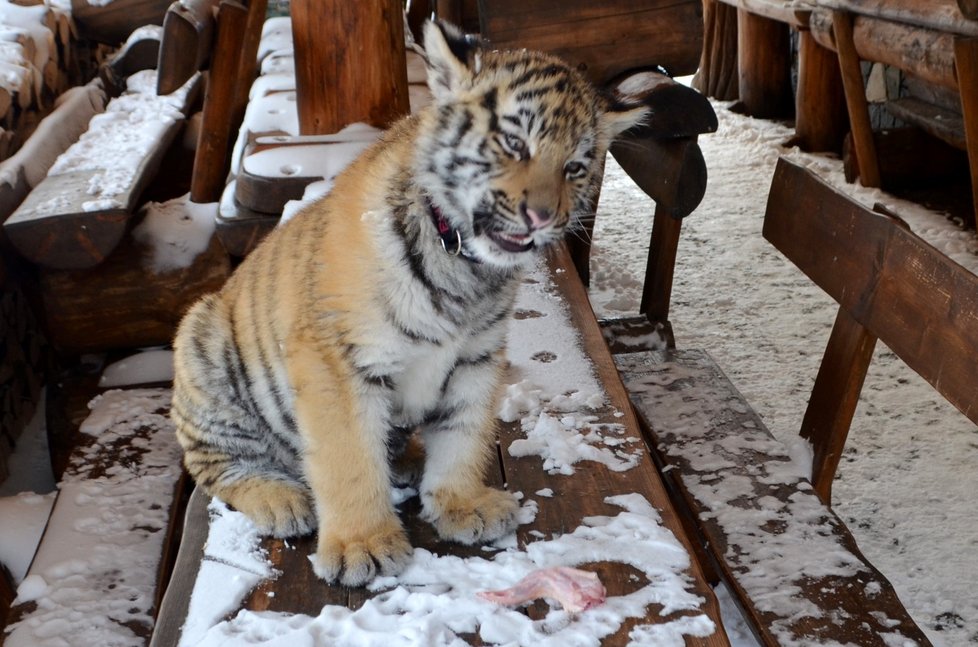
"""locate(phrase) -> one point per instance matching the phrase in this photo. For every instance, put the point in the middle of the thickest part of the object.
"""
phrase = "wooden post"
(852, 82)
(248, 61)
(717, 74)
(820, 109)
(966, 64)
(350, 63)
(211, 159)
(834, 397)
(660, 267)
(764, 63)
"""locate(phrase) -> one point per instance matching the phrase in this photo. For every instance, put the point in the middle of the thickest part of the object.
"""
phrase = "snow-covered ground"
(907, 480)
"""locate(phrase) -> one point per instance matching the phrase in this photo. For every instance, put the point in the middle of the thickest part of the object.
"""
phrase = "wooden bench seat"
(106, 551)
(762, 511)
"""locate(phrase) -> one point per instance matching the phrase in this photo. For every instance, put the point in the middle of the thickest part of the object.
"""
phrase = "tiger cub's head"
(511, 149)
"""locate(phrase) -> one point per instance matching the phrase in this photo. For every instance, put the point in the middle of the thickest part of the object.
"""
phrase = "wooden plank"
(606, 38)
(852, 81)
(966, 64)
(188, 31)
(212, 157)
(946, 125)
(791, 562)
(324, 31)
(921, 304)
(111, 23)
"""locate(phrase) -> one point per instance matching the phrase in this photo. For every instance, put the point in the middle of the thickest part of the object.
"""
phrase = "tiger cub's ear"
(619, 117)
(452, 57)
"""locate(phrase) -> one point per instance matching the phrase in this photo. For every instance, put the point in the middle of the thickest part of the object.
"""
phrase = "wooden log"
(248, 61)
(764, 66)
(821, 121)
(717, 73)
(927, 53)
(604, 38)
(188, 33)
(240, 229)
(111, 23)
(121, 303)
(940, 15)
(213, 152)
(323, 32)
(966, 64)
(852, 81)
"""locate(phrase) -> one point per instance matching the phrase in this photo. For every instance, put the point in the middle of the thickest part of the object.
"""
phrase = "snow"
(175, 232)
(436, 599)
(101, 552)
(146, 367)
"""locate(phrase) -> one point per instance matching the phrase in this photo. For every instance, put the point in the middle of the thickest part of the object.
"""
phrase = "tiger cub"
(382, 309)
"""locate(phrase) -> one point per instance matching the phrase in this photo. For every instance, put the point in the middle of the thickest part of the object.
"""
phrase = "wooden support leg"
(349, 63)
(764, 64)
(966, 64)
(834, 397)
(579, 240)
(212, 156)
(657, 290)
(852, 81)
(820, 109)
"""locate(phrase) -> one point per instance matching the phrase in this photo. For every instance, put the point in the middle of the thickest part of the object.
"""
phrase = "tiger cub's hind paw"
(487, 516)
(277, 508)
(356, 561)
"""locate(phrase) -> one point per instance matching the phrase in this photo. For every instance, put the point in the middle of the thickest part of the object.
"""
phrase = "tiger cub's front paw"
(354, 561)
(277, 508)
(486, 516)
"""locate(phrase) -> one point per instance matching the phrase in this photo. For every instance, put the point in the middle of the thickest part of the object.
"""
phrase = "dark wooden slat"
(188, 31)
(821, 121)
(860, 608)
(920, 303)
(966, 66)
(946, 125)
(607, 38)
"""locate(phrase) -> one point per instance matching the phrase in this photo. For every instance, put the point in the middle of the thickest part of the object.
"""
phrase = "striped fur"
(299, 385)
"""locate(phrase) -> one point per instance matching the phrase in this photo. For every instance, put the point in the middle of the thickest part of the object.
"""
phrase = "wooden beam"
(112, 22)
(213, 150)
(717, 73)
(966, 64)
(324, 33)
(852, 81)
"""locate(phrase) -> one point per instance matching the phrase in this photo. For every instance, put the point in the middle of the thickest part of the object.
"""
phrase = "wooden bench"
(765, 522)
(934, 44)
(108, 546)
(563, 497)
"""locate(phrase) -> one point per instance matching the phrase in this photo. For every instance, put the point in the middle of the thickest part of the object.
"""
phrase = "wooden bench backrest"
(890, 285)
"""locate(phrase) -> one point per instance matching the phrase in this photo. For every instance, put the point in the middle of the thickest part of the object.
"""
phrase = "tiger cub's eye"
(514, 145)
(574, 170)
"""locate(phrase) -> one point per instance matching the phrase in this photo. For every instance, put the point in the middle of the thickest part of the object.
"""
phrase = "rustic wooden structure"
(933, 43)
(188, 35)
(883, 277)
(111, 23)
(605, 39)
(747, 56)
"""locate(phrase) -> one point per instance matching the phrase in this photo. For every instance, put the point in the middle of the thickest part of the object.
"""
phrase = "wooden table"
(581, 495)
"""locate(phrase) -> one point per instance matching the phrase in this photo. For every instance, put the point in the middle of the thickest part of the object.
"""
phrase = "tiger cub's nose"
(536, 219)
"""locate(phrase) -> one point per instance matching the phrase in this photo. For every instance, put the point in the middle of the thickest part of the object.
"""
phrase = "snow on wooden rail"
(77, 215)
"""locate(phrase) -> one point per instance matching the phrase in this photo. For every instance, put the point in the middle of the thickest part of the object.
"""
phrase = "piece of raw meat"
(576, 590)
